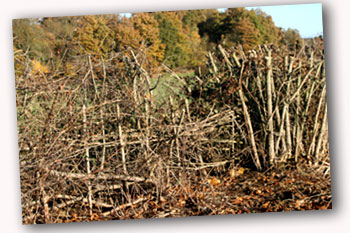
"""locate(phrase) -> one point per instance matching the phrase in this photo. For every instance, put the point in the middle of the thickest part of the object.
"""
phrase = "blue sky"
(307, 18)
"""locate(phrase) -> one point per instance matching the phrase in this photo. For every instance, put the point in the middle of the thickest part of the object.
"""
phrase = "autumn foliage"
(177, 38)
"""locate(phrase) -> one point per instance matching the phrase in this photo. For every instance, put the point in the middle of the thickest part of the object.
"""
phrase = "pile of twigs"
(278, 98)
(93, 145)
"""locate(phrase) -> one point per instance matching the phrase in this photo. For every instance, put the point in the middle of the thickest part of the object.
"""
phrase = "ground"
(275, 190)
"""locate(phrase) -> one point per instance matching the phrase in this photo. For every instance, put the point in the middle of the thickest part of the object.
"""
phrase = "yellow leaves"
(141, 32)
(237, 172)
(241, 171)
(38, 68)
(94, 36)
(323, 207)
(259, 192)
(148, 96)
(126, 34)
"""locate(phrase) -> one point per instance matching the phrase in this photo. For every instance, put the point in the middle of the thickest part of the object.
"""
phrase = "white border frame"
(336, 20)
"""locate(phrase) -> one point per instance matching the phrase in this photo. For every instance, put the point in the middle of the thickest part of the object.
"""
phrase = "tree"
(93, 36)
(30, 37)
(179, 33)
(238, 25)
(291, 37)
(265, 25)
(248, 34)
(147, 26)
(212, 27)
(63, 29)
(170, 27)
(140, 32)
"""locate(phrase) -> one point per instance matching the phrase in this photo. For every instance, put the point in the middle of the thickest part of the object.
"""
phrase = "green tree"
(265, 25)
(212, 28)
(238, 25)
(291, 37)
(179, 33)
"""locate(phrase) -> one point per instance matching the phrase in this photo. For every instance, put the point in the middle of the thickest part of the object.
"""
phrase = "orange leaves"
(299, 204)
(182, 202)
(249, 34)
(148, 96)
(323, 207)
(94, 217)
(75, 218)
(213, 181)
(258, 192)
(266, 205)
(238, 200)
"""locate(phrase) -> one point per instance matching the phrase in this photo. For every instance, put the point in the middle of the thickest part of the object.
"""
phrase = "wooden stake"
(121, 141)
(249, 126)
(269, 109)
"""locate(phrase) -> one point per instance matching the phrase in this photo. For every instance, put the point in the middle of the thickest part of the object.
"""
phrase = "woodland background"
(179, 39)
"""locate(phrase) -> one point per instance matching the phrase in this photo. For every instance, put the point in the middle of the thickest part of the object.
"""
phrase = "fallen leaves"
(266, 205)
(94, 217)
(248, 192)
(237, 172)
(213, 181)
